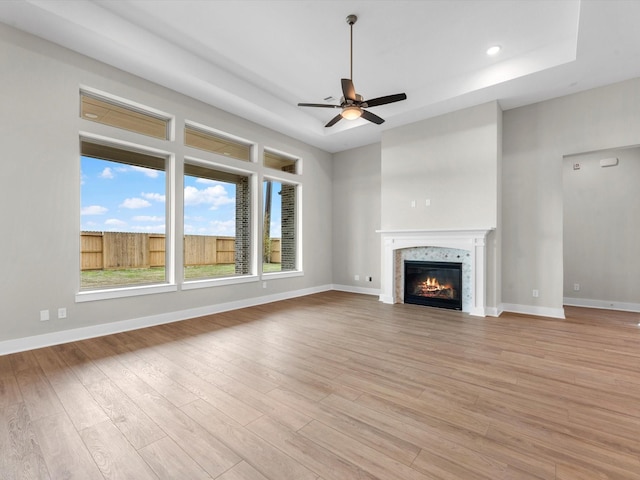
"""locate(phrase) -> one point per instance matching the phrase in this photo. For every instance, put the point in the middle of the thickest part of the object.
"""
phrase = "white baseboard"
(533, 310)
(603, 304)
(494, 311)
(72, 335)
(352, 289)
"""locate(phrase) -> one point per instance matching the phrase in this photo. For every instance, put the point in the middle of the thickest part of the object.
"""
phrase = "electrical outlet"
(356, 277)
(413, 204)
(62, 312)
(44, 315)
(264, 284)
(427, 202)
(576, 287)
(536, 294)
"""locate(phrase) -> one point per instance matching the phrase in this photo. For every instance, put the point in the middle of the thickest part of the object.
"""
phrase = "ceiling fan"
(352, 104)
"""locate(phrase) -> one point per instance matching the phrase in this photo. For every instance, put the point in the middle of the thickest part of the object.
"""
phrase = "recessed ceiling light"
(493, 50)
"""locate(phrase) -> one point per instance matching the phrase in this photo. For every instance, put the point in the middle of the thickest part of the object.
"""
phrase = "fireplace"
(435, 284)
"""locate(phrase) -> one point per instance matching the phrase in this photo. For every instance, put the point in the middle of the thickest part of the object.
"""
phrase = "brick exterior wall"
(243, 227)
(289, 243)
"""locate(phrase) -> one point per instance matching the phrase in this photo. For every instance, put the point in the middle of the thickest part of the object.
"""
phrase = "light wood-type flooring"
(333, 386)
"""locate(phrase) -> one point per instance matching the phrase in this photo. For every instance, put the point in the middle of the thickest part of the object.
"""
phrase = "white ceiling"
(258, 59)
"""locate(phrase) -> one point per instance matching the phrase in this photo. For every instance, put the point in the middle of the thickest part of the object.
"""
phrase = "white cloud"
(148, 228)
(107, 173)
(224, 228)
(135, 203)
(148, 218)
(214, 196)
(156, 197)
(149, 172)
(94, 210)
(207, 181)
(114, 222)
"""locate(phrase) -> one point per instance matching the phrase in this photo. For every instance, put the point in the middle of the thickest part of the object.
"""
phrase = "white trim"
(352, 289)
(494, 311)
(76, 334)
(603, 304)
(106, 294)
(533, 310)
(287, 274)
(217, 282)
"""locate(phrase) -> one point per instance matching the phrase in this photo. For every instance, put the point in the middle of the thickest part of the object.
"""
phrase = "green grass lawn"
(94, 279)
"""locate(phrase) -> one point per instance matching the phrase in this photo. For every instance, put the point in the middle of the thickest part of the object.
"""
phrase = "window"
(123, 115)
(280, 161)
(123, 217)
(279, 226)
(205, 139)
(217, 222)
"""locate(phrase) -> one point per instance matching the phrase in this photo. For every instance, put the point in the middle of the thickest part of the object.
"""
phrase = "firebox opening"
(435, 284)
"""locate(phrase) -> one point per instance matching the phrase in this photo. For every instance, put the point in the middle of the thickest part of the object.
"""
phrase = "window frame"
(169, 285)
(298, 272)
(253, 248)
(129, 105)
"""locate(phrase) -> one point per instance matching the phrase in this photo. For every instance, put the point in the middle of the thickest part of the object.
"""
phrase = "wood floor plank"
(130, 419)
(363, 431)
(242, 471)
(352, 451)
(68, 459)
(114, 455)
(9, 391)
(39, 397)
(168, 460)
(268, 460)
(78, 403)
(21, 456)
(214, 456)
(307, 452)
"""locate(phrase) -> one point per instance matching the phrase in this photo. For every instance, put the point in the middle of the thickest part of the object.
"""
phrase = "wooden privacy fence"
(117, 250)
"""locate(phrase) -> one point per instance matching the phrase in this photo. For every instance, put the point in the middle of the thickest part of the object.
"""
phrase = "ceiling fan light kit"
(352, 105)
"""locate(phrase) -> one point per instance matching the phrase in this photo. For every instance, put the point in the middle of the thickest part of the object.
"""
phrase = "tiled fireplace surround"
(465, 246)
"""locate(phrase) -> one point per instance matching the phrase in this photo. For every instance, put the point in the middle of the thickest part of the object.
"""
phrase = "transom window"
(121, 115)
(203, 139)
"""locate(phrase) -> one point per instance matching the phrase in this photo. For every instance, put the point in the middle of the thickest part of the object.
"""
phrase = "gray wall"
(535, 139)
(602, 227)
(40, 181)
(356, 217)
(451, 160)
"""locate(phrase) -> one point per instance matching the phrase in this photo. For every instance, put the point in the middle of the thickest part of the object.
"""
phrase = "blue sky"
(123, 198)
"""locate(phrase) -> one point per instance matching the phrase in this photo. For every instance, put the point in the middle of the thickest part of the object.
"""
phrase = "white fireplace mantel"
(474, 241)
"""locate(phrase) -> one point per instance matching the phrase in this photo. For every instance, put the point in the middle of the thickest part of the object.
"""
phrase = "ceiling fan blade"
(334, 120)
(386, 99)
(319, 105)
(372, 117)
(348, 90)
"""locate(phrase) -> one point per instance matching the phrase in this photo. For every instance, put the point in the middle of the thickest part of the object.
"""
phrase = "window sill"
(274, 275)
(93, 295)
(217, 282)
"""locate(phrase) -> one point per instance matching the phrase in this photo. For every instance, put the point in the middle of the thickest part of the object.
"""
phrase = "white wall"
(535, 139)
(40, 182)
(451, 160)
(602, 229)
(356, 217)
